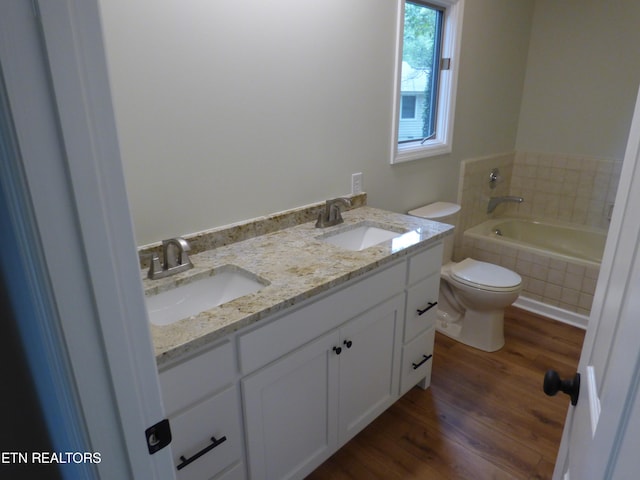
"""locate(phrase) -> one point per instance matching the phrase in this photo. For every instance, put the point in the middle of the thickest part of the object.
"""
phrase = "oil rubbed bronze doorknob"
(554, 384)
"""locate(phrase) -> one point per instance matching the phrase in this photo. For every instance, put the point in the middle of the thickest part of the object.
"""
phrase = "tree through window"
(420, 66)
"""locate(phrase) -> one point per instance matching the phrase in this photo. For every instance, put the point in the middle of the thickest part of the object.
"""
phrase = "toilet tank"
(444, 212)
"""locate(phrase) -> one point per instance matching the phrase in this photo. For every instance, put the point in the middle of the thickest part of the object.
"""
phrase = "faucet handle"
(154, 266)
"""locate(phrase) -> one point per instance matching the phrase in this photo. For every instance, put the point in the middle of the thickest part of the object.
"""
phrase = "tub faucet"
(495, 201)
(174, 257)
(332, 215)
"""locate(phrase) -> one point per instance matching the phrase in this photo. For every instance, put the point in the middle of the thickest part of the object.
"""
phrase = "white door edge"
(594, 401)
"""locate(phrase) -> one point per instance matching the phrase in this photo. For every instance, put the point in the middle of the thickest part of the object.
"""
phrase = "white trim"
(594, 401)
(39, 325)
(73, 36)
(447, 89)
(550, 311)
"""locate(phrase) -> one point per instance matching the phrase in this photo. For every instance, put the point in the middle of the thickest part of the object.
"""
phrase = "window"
(408, 107)
(427, 59)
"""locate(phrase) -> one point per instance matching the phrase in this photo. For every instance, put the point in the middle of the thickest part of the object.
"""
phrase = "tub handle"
(430, 305)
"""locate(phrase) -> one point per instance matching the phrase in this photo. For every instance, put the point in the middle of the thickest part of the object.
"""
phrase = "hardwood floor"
(485, 415)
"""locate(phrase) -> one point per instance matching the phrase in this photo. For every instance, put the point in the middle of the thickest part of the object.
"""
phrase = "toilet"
(473, 294)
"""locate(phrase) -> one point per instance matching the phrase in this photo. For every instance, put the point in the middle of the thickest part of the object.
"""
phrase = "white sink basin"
(359, 236)
(223, 285)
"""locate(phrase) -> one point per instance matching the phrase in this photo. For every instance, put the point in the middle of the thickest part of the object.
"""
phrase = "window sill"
(415, 151)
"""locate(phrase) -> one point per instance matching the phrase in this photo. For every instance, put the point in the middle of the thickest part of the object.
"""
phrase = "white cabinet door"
(369, 365)
(291, 412)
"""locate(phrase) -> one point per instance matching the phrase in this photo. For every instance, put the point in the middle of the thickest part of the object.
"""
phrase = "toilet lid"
(485, 276)
(436, 210)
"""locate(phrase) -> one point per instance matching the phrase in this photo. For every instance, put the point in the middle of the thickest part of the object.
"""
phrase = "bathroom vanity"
(271, 384)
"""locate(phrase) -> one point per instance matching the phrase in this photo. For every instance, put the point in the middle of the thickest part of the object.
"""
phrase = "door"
(290, 410)
(54, 70)
(369, 366)
(603, 430)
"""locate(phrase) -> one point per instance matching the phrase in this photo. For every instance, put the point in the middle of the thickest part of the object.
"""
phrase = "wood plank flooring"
(485, 415)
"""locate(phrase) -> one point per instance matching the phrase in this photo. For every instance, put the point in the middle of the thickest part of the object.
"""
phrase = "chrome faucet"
(332, 215)
(495, 201)
(174, 259)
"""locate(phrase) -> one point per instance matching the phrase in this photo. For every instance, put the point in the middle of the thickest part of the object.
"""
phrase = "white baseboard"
(550, 311)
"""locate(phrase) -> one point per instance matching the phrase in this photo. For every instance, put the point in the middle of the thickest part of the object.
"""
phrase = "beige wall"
(582, 78)
(230, 110)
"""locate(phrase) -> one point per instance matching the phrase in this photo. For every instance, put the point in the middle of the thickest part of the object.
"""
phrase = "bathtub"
(559, 263)
(573, 243)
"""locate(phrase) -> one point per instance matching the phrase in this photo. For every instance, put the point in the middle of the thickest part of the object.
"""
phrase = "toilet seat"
(485, 276)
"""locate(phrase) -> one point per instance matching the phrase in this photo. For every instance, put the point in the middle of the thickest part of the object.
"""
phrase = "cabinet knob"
(348, 343)
(338, 350)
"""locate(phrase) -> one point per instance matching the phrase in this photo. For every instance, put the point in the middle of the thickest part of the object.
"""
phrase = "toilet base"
(481, 330)
(448, 324)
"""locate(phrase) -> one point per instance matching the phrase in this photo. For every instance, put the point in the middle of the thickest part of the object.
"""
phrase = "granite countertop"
(296, 266)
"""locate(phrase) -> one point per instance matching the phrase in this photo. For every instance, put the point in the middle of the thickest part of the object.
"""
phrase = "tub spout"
(495, 201)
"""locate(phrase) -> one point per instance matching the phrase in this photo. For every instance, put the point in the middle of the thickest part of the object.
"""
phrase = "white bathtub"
(567, 242)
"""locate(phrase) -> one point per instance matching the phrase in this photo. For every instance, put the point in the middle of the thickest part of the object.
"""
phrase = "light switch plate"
(356, 183)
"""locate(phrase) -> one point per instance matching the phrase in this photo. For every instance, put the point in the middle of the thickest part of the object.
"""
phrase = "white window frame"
(442, 142)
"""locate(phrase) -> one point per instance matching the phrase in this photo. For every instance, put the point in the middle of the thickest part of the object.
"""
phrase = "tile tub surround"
(474, 192)
(569, 188)
(298, 267)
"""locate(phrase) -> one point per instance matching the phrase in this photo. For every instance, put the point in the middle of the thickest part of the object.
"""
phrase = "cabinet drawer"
(422, 308)
(425, 263)
(197, 378)
(217, 417)
(417, 360)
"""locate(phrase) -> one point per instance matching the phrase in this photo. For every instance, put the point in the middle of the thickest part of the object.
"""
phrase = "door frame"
(55, 71)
